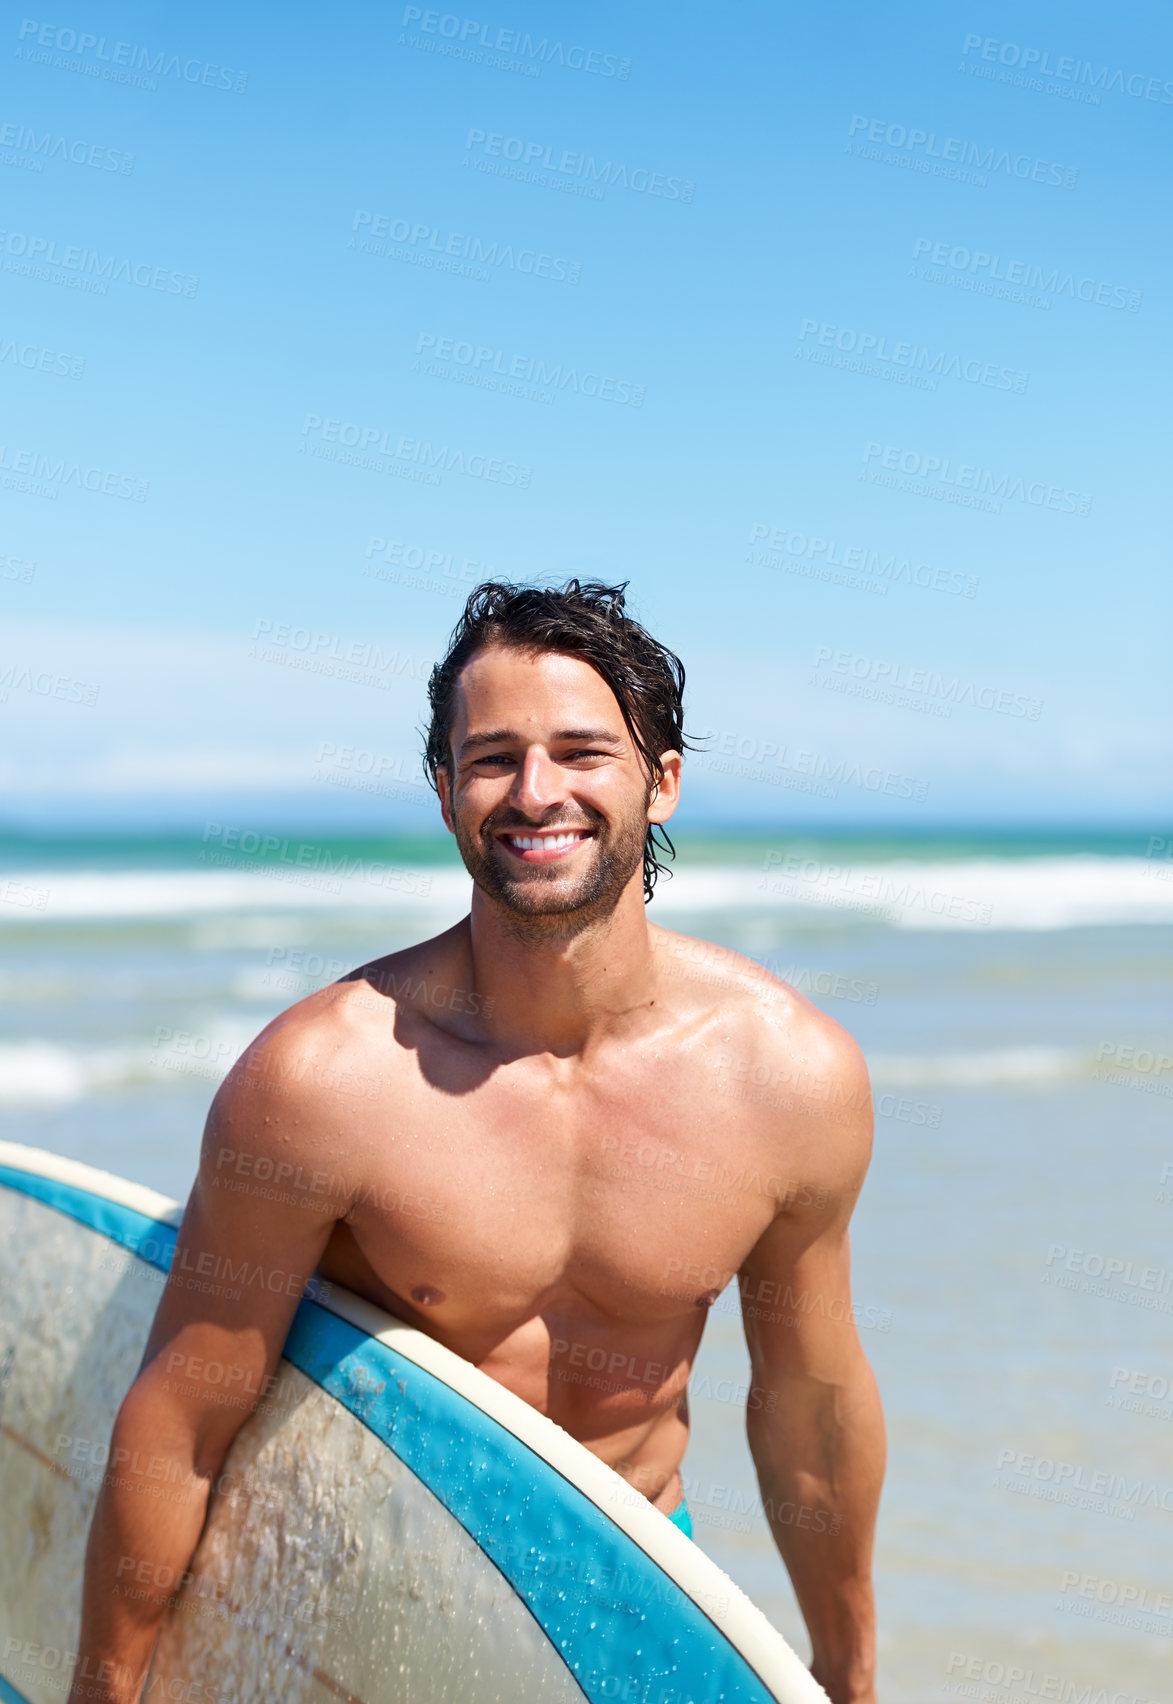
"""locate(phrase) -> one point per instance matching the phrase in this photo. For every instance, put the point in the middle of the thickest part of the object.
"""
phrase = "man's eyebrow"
(510, 736)
(593, 736)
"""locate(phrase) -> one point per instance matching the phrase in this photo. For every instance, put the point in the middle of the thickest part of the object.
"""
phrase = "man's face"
(547, 796)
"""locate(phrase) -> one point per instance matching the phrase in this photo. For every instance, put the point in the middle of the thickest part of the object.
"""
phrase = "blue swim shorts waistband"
(681, 1518)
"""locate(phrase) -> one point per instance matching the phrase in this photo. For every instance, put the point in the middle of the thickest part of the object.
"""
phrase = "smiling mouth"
(541, 847)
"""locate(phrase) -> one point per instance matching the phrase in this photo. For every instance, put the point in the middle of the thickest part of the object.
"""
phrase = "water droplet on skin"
(427, 1295)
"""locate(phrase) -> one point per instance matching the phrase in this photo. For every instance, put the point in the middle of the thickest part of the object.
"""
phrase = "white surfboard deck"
(390, 1523)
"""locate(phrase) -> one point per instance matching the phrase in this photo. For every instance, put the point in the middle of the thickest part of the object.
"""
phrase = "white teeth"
(542, 842)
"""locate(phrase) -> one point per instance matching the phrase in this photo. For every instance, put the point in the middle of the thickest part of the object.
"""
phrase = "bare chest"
(628, 1199)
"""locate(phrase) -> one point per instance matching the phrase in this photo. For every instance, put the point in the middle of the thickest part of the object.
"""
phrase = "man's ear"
(666, 793)
(445, 792)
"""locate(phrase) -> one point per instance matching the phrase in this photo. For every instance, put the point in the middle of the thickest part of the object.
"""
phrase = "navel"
(427, 1295)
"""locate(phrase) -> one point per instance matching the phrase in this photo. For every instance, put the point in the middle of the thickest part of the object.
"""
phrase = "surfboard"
(389, 1524)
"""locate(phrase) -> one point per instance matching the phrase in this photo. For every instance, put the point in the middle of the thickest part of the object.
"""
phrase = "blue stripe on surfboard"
(609, 1610)
(9, 1694)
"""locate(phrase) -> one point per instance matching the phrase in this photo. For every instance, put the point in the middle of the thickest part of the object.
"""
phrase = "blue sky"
(730, 208)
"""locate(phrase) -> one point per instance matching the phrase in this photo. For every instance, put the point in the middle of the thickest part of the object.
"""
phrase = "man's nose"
(538, 784)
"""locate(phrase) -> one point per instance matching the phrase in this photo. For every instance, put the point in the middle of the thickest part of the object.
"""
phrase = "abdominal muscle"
(618, 1386)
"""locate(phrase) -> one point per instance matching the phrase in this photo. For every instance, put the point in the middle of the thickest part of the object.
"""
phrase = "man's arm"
(817, 1431)
(263, 1118)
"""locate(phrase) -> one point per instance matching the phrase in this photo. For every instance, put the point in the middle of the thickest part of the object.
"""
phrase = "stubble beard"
(541, 901)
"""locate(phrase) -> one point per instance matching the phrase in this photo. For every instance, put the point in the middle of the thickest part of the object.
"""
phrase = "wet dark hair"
(583, 619)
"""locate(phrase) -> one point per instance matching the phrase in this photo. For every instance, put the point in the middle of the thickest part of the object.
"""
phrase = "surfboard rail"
(68, 1185)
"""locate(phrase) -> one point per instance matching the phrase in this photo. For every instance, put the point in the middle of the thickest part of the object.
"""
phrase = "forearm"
(146, 1525)
(820, 1463)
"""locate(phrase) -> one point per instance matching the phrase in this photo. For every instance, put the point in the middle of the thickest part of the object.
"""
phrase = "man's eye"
(576, 756)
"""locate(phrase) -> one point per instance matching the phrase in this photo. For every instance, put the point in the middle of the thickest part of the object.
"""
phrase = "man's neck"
(557, 984)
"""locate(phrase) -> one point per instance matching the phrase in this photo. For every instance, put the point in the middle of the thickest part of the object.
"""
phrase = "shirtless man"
(516, 1071)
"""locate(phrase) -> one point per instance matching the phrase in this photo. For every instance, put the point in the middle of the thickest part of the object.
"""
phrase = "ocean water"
(1013, 1263)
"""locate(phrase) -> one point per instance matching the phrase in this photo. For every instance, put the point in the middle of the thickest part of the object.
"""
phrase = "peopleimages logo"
(518, 43)
(127, 55)
(1069, 69)
(36, 359)
(1069, 1476)
(360, 445)
(1050, 280)
(99, 270)
(875, 671)
(38, 147)
(481, 364)
(956, 150)
(32, 465)
(424, 244)
(938, 363)
(492, 144)
(968, 476)
(1035, 1682)
(775, 544)
(751, 757)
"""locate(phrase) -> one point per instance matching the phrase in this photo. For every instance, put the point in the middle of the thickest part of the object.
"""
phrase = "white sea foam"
(42, 1073)
(131, 894)
(979, 893)
(979, 1069)
(966, 894)
(256, 983)
(38, 1072)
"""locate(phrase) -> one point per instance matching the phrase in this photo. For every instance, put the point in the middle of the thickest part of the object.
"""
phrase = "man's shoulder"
(342, 1042)
(786, 1064)
(764, 1010)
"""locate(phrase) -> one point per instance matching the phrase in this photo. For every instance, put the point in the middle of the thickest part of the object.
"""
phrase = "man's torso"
(565, 1224)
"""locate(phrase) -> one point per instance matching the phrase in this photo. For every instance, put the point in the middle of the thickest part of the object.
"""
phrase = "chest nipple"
(427, 1295)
